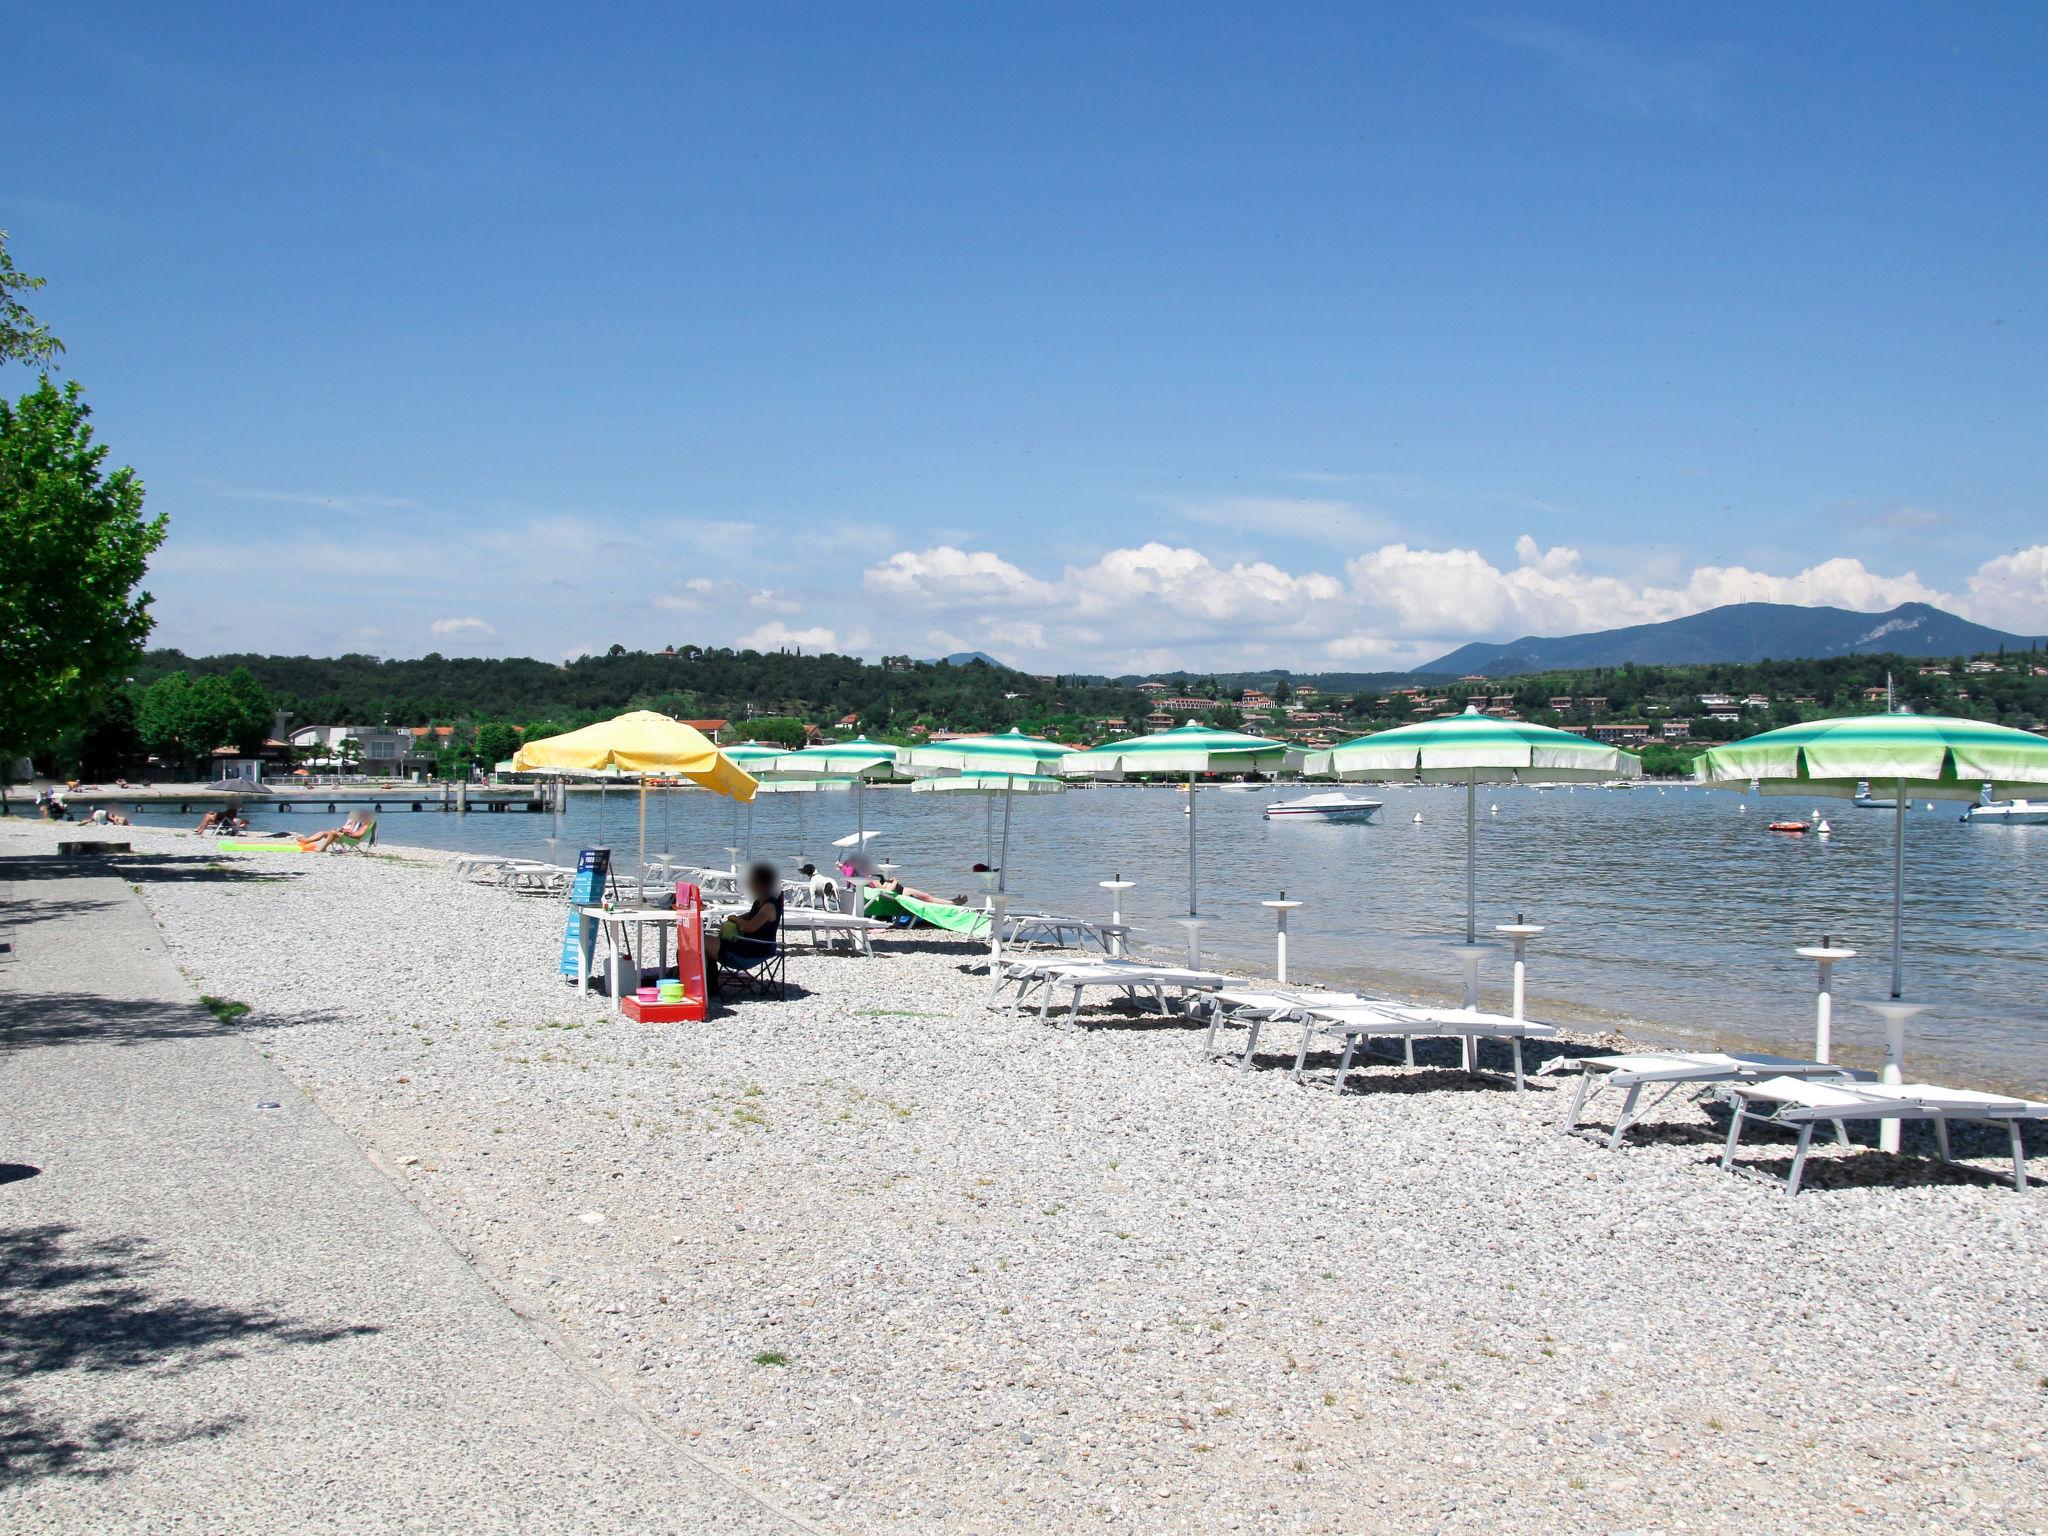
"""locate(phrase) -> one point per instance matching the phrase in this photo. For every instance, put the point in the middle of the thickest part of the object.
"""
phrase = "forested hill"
(692, 683)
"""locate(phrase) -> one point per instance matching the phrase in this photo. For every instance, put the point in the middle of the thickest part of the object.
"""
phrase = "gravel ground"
(913, 1264)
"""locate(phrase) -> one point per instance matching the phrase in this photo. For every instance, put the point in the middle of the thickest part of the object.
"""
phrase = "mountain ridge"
(1736, 632)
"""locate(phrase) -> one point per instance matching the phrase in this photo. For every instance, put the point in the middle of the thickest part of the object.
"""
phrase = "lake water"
(1669, 910)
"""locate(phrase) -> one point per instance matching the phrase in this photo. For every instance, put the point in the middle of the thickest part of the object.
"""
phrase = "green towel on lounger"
(887, 904)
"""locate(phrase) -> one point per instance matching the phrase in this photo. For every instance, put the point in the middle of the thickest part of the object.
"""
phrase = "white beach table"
(823, 925)
(612, 924)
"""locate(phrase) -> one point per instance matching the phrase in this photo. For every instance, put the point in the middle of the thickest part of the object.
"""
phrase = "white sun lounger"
(1673, 1071)
(1060, 931)
(1134, 978)
(1256, 1007)
(1801, 1104)
(1358, 1025)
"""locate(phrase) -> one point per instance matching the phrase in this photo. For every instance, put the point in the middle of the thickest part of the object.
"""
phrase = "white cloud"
(775, 635)
(947, 576)
(461, 627)
(1157, 605)
(2011, 592)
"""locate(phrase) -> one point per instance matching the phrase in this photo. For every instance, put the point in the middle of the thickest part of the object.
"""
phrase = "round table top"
(1827, 952)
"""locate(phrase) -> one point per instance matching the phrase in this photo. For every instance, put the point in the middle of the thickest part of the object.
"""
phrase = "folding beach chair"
(757, 975)
(1800, 1105)
(1134, 978)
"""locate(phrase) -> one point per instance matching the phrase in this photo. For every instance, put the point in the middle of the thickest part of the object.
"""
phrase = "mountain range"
(1738, 632)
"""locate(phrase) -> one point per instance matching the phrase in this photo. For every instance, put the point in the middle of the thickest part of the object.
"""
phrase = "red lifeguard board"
(690, 951)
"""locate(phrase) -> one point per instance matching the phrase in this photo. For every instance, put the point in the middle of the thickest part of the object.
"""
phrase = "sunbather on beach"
(222, 821)
(744, 941)
(351, 829)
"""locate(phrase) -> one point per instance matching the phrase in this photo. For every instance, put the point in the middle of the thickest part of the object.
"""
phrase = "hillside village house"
(1717, 701)
(1677, 730)
(1631, 733)
(1154, 688)
(1187, 705)
(715, 729)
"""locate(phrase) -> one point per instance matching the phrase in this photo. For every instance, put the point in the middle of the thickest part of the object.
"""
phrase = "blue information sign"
(593, 868)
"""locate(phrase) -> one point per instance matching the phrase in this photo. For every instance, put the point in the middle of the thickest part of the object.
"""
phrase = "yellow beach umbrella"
(639, 742)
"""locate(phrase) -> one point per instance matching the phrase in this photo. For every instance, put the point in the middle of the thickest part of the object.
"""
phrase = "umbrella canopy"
(1010, 752)
(640, 742)
(1474, 749)
(869, 759)
(749, 754)
(1935, 755)
(1188, 749)
(1938, 756)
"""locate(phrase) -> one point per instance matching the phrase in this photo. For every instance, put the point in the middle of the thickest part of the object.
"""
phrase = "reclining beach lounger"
(1802, 1104)
(1253, 1008)
(1134, 978)
(1059, 931)
(1357, 1025)
(1673, 1071)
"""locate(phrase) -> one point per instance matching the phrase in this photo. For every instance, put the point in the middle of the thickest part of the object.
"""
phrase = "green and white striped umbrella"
(1934, 755)
(992, 785)
(1010, 752)
(1188, 749)
(989, 761)
(1474, 749)
(859, 759)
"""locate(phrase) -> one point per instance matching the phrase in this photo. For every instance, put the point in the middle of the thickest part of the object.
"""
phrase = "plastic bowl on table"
(649, 994)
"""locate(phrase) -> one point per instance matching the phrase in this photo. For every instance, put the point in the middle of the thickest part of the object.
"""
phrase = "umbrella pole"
(1191, 843)
(988, 831)
(1003, 860)
(750, 831)
(600, 813)
(799, 829)
(1898, 881)
(665, 794)
(1471, 855)
(860, 812)
(643, 829)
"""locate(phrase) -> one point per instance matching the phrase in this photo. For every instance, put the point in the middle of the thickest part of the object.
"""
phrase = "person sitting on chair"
(351, 829)
(743, 942)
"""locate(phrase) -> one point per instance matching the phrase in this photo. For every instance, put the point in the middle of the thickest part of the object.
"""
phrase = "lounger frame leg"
(1344, 1066)
(1799, 1158)
(1579, 1097)
(2019, 1157)
(1737, 1114)
(1251, 1044)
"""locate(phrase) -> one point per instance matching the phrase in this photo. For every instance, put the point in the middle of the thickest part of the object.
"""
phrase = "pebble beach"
(912, 1264)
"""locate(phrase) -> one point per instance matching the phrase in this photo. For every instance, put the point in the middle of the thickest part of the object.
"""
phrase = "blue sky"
(1111, 337)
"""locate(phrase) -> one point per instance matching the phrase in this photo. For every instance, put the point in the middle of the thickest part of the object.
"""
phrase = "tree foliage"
(184, 718)
(73, 546)
(23, 338)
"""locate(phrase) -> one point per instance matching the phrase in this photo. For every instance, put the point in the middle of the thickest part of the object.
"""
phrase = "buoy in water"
(1418, 818)
(1824, 829)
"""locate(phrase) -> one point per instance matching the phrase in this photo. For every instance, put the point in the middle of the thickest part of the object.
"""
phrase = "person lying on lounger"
(743, 942)
(222, 821)
(352, 830)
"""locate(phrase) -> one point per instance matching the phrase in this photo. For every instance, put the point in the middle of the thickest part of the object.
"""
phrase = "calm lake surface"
(1670, 912)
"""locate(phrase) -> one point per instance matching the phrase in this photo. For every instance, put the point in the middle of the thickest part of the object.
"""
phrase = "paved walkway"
(216, 1315)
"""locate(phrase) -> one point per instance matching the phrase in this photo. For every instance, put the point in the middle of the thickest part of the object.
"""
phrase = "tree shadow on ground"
(73, 1304)
(20, 914)
(31, 1020)
(138, 869)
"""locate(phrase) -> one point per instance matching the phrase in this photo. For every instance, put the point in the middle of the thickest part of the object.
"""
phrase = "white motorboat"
(2008, 813)
(1330, 807)
(1865, 801)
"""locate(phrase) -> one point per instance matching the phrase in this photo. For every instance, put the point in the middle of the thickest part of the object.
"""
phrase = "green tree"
(185, 718)
(782, 730)
(1227, 717)
(73, 546)
(495, 743)
(23, 339)
(539, 730)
